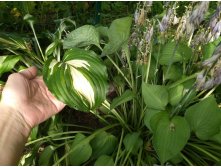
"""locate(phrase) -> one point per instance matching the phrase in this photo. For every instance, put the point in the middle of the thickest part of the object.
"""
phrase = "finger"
(29, 73)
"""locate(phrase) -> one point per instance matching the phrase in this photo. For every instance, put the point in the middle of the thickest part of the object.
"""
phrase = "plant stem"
(127, 52)
(115, 113)
(119, 70)
(119, 147)
(182, 80)
(54, 135)
(33, 30)
(205, 152)
(186, 159)
(148, 65)
(101, 118)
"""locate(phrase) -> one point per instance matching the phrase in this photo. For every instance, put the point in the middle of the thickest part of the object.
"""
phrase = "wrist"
(8, 113)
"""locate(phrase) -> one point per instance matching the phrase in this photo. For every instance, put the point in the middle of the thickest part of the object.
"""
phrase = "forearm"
(14, 132)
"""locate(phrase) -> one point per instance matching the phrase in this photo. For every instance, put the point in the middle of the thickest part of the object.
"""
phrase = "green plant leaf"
(104, 160)
(132, 142)
(209, 48)
(103, 31)
(82, 153)
(170, 136)
(173, 52)
(156, 118)
(148, 115)
(216, 137)
(125, 97)
(176, 94)
(79, 80)
(82, 37)
(174, 73)
(103, 143)
(51, 48)
(7, 63)
(204, 118)
(155, 96)
(45, 156)
(118, 34)
(34, 133)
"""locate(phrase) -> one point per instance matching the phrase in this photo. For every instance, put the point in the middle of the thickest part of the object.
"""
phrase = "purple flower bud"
(149, 35)
(136, 16)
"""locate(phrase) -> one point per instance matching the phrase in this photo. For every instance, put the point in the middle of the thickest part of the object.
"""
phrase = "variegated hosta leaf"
(79, 80)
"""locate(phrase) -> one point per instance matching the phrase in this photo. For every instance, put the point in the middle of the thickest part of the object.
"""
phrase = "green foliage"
(104, 160)
(148, 116)
(209, 48)
(176, 94)
(118, 34)
(85, 71)
(152, 105)
(82, 153)
(125, 97)
(170, 136)
(175, 52)
(133, 142)
(103, 144)
(204, 118)
(46, 156)
(7, 63)
(155, 96)
(82, 37)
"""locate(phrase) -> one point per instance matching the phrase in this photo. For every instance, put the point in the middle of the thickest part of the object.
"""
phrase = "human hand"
(27, 94)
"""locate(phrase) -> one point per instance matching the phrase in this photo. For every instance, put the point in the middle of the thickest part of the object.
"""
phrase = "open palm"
(28, 94)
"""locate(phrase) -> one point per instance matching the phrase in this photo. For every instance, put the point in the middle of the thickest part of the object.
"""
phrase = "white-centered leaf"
(79, 80)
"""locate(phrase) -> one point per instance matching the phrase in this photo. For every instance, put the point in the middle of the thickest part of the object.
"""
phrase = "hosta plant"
(150, 82)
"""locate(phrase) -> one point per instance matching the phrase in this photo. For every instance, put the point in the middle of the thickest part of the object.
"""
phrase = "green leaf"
(29, 18)
(7, 63)
(34, 133)
(173, 52)
(45, 156)
(174, 73)
(51, 48)
(104, 160)
(82, 153)
(217, 137)
(204, 118)
(156, 118)
(103, 143)
(155, 96)
(209, 48)
(176, 94)
(79, 80)
(118, 34)
(133, 142)
(103, 31)
(82, 37)
(148, 115)
(170, 136)
(125, 97)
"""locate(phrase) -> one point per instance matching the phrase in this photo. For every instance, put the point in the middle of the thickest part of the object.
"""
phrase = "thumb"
(29, 73)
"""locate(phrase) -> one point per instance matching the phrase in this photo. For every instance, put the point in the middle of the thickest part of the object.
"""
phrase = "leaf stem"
(119, 70)
(186, 159)
(119, 147)
(33, 30)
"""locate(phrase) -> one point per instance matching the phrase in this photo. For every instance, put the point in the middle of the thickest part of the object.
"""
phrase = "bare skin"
(26, 102)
